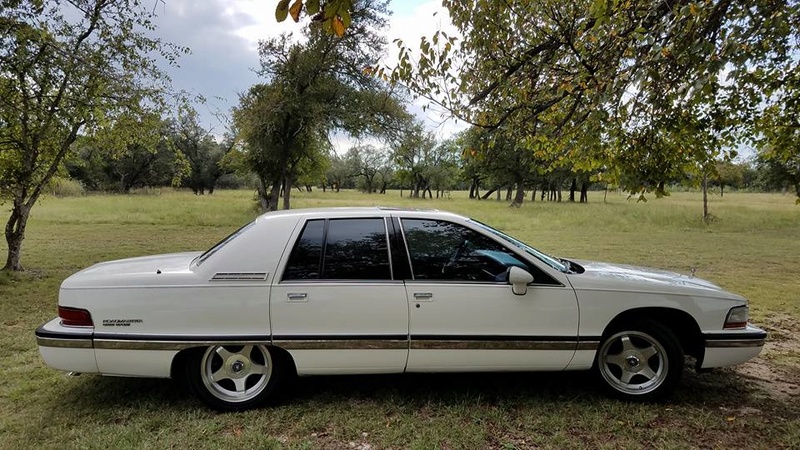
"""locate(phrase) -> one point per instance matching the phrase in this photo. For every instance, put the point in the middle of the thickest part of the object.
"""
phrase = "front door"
(463, 313)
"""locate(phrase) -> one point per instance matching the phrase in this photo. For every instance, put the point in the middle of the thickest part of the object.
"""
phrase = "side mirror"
(519, 279)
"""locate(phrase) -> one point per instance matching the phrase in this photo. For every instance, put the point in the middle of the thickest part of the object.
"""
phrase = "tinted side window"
(446, 251)
(306, 258)
(356, 249)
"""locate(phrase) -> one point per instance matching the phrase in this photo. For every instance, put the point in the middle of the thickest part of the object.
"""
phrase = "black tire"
(640, 361)
(235, 377)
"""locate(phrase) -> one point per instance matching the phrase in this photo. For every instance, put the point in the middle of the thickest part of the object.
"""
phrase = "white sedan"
(383, 290)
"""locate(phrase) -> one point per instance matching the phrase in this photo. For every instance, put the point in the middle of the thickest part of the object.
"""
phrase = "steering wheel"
(456, 254)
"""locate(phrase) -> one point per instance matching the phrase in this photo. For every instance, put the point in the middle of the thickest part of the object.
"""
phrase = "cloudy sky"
(223, 37)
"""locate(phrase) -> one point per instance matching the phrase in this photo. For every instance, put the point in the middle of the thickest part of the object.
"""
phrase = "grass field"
(753, 248)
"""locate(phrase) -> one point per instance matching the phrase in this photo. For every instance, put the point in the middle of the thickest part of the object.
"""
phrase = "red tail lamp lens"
(74, 317)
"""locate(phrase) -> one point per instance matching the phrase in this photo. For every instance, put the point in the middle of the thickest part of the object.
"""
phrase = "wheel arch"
(682, 325)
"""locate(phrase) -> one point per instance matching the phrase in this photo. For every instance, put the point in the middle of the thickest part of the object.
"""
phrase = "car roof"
(344, 211)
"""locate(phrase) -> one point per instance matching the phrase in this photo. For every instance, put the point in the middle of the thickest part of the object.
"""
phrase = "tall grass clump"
(65, 187)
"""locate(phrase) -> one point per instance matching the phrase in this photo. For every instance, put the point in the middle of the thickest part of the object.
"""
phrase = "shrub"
(65, 187)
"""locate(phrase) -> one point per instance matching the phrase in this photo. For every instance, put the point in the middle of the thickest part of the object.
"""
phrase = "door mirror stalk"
(519, 279)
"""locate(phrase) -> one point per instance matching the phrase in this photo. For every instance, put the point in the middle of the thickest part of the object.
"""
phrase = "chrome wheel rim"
(236, 373)
(633, 362)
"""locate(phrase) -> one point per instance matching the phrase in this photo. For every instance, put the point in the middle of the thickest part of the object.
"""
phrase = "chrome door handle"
(423, 296)
(297, 296)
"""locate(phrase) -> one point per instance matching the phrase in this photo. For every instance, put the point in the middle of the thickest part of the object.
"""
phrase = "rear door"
(336, 308)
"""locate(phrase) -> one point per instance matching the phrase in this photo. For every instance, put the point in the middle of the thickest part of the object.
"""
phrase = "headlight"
(737, 317)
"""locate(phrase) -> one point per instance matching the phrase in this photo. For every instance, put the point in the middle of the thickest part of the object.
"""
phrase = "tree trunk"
(584, 192)
(287, 193)
(497, 194)
(797, 191)
(559, 194)
(488, 193)
(508, 193)
(572, 188)
(520, 196)
(721, 190)
(533, 194)
(705, 198)
(274, 195)
(15, 234)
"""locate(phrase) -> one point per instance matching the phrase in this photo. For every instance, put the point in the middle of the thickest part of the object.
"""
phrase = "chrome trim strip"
(342, 344)
(347, 344)
(734, 343)
(588, 345)
(128, 344)
(502, 345)
(63, 343)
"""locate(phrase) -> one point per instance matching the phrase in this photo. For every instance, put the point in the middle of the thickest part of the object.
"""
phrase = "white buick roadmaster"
(382, 290)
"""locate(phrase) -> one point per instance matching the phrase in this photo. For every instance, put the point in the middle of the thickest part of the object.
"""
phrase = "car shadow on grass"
(90, 394)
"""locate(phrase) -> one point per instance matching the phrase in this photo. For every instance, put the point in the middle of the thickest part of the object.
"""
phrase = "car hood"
(133, 271)
(600, 275)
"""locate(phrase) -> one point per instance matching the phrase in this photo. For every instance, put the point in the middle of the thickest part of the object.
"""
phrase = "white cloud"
(264, 25)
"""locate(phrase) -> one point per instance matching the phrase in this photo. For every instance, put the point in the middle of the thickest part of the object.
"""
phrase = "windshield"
(545, 258)
(222, 243)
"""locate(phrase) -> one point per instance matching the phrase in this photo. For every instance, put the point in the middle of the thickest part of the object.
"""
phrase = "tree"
(131, 152)
(366, 161)
(777, 129)
(728, 173)
(200, 149)
(65, 67)
(314, 89)
(413, 157)
(337, 173)
(619, 71)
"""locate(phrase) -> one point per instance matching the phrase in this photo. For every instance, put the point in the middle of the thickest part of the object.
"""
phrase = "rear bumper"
(732, 347)
(67, 348)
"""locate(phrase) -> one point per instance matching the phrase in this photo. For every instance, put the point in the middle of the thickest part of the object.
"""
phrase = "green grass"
(753, 248)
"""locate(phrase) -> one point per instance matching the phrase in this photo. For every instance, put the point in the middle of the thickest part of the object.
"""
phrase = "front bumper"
(67, 348)
(732, 347)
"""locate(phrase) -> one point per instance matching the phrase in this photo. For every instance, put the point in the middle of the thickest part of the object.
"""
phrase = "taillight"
(74, 317)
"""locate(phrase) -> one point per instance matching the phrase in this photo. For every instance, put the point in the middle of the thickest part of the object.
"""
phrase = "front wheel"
(642, 362)
(233, 377)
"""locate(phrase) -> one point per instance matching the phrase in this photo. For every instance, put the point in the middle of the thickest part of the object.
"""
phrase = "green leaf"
(312, 6)
(345, 15)
(282, 10)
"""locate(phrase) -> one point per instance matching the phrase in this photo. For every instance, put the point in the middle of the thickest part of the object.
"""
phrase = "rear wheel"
(234, 377)
(640, 362)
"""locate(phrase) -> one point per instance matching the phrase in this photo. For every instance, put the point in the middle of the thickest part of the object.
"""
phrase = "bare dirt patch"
(777, 370)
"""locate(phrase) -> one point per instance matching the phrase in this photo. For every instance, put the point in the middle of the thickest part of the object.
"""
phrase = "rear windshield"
(223, 243)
